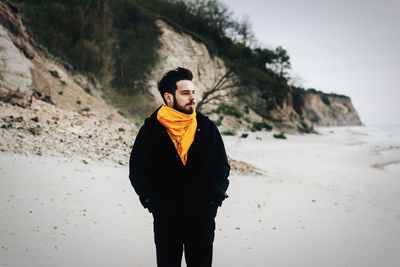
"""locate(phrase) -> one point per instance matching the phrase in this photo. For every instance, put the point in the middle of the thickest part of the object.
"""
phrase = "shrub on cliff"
(279, 136)
(259, 126)
(228, 110)
(114, 40)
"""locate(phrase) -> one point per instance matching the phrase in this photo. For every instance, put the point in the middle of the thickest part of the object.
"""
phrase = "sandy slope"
(320, 202)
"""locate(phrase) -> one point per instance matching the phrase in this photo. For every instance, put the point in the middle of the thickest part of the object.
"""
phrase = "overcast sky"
(348, 47)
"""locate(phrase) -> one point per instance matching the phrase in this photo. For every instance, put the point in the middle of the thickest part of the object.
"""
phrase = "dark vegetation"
(228, 110)
(259, 126)
(116, 42)
(280, 136)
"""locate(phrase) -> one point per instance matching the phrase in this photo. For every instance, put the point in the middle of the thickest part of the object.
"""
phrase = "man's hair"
(169, 80)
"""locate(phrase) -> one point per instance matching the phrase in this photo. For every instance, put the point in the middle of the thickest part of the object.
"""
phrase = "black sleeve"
(219, 169)
(139, 163)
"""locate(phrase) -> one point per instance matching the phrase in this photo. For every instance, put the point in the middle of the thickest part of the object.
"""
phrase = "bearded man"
(179, 169)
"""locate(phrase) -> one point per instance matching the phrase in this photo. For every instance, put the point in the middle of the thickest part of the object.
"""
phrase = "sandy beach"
(321, 200)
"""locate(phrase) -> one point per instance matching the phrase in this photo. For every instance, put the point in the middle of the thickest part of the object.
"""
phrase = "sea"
(382, 138)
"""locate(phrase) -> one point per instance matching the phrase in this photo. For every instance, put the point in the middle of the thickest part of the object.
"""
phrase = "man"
(179, 169)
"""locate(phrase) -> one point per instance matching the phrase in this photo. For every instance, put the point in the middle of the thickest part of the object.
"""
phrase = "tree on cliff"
(280, 64)
(243, 32)
(226, 86)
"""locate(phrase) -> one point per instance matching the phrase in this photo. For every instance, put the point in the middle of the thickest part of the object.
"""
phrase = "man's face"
(184, 99)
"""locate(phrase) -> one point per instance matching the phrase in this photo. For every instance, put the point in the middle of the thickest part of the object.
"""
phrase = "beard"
(184, 109)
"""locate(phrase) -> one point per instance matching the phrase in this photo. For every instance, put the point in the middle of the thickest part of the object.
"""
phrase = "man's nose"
(192, 96)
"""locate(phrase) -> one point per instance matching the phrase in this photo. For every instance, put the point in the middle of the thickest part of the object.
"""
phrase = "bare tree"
(245, 32)
(226, 86)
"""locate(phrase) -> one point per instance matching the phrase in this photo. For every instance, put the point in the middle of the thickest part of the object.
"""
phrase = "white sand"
(321, 202)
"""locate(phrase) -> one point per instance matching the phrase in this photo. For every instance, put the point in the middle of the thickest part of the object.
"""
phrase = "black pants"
(188, 231)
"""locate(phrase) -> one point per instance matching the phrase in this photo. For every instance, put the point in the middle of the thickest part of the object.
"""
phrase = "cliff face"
(27, 72)
(15, 54)
(328, 110)
(15, 68)
(180, 49)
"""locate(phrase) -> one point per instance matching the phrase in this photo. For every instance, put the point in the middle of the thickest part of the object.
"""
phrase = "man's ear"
(169, 98)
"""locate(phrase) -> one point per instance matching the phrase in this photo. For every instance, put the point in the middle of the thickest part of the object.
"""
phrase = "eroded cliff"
(27, 71)
(319, 109)
(322, 109)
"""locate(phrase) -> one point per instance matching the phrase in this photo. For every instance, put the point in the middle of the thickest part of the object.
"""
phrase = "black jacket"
(161, 180)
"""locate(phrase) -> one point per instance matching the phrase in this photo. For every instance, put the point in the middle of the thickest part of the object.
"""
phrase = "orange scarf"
(181, 128)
